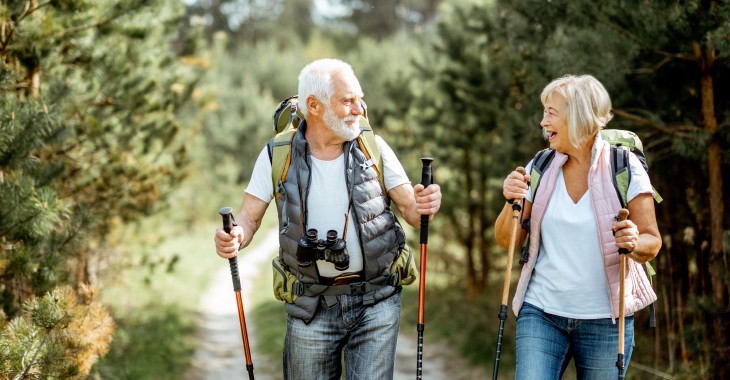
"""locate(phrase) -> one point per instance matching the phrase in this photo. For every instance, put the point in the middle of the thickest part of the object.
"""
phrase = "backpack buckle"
(298, 288)
(357, 287)
(365, 165)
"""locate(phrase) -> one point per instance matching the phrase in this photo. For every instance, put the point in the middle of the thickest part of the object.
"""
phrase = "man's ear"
(314, 106)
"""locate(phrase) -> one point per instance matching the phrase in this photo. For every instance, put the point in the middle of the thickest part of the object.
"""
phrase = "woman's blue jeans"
(366, 334)
(546, 343)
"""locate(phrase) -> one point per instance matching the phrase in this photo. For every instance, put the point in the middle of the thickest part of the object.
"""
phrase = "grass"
(154, 300)
(153, 286)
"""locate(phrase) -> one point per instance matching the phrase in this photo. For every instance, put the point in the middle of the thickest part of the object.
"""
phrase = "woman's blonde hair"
(588, 106)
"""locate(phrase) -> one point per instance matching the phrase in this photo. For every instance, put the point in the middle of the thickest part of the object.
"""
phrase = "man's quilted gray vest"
(381, 236)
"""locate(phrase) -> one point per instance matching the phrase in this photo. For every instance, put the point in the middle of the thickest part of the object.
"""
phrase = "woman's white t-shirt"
(328, 200)
(569, 279)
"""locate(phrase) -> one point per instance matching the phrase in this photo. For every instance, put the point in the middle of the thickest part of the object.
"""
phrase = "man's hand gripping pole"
(425, 181)
(228, 223)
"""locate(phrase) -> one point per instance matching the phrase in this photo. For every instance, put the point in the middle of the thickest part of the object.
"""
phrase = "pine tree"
(88, 137)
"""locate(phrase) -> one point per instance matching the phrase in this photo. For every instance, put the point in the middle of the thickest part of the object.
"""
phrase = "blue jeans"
(546, 343)
(366, 334)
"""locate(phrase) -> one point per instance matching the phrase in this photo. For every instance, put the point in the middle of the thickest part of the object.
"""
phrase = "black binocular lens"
(312, 235)
(333, 250)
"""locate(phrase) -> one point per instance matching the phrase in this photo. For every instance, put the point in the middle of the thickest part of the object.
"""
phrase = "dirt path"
(220, 354)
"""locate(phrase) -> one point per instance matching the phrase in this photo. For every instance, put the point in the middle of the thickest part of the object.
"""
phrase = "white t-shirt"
(328, 200)
(569, 279)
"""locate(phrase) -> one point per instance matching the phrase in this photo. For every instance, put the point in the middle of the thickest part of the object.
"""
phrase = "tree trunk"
(471, 228)
(484, 240)
(717, 247)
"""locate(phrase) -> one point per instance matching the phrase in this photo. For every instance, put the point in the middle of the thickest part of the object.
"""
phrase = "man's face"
(343, 113)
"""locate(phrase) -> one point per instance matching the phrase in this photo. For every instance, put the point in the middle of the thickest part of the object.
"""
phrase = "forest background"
(127, 123)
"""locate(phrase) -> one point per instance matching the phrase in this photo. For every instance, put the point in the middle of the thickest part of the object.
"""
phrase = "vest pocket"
(284, 282)
(405, 266)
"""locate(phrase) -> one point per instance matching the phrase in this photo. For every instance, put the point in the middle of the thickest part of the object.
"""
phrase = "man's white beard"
(339, 126)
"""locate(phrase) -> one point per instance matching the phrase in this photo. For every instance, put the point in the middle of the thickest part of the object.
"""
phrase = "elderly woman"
(566, 300)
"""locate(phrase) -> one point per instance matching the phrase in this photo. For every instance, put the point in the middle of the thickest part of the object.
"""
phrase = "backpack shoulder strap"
(279, 148)
(541, 162)
(368, 145)
(620, 172)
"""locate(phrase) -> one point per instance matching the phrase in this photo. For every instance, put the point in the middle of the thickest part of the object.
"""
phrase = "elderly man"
(329, 187)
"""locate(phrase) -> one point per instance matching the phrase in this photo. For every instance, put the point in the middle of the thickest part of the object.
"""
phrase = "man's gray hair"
(587, 102)
(316, 79)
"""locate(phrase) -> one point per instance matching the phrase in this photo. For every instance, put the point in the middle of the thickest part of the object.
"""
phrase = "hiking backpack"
(622, 142)
(286, 120)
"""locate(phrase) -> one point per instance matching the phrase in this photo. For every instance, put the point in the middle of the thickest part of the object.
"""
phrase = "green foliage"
(154, 344)
(89, 137)
(381, 19)
(61, 335)
(254, 20)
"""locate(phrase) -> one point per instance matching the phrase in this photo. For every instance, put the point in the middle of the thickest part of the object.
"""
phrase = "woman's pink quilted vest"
(638, 291)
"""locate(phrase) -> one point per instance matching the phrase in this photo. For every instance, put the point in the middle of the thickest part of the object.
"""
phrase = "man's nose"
(358, 109)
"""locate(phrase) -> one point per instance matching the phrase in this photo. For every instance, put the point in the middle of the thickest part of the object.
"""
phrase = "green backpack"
(622, 142)
(286, 120)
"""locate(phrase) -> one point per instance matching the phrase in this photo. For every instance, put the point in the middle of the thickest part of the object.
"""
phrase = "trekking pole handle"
(623, 214)
(426, 180)
(515, 205)
(227, 215)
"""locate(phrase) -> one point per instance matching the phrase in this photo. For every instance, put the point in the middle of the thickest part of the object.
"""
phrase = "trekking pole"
(425, 181)
(233, 261)
(516, 209)
(622, 215)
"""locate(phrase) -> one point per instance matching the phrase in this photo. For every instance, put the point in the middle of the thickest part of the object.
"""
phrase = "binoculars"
(333, 250)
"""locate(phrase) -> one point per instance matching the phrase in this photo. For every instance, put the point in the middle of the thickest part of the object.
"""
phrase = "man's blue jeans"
(366, 334)
(546, 343)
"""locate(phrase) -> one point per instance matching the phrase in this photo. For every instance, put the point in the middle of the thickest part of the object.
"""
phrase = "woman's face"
(555, 123)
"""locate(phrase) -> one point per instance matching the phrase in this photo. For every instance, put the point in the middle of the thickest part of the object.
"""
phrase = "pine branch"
(659, 126)
(37, 351)
(80, 28)
(632, 37)
(654, 69)
(28, 10)
(113, 16)
(600, 18)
